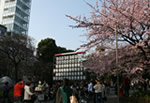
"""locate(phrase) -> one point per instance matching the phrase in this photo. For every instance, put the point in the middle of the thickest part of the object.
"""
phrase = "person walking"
(64, 93)
(98, 92)
(27, 93)
(18, 91)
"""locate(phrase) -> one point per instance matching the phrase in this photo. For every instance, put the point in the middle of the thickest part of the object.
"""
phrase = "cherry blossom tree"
(130, 19)
(103, 62)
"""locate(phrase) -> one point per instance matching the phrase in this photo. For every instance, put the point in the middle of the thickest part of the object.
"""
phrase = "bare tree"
(17, 47)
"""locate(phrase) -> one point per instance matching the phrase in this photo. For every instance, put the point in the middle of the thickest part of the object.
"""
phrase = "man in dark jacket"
(6, 90)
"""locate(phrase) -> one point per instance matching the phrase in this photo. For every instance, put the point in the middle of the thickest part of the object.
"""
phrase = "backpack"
(64, 94)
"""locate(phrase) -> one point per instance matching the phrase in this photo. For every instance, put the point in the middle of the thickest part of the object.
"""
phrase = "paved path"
(111, 99)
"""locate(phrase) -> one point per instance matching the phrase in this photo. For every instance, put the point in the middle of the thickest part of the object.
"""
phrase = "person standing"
(18, 89)
(126, 86)
(90, 90)
(64, 92)
(6, 90)
(74, 91)
(98, 92)
(27, 93)
(103, 92)
(39, 87)
(121, 91)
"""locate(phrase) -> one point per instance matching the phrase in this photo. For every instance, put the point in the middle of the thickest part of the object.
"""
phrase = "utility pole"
(116, 38)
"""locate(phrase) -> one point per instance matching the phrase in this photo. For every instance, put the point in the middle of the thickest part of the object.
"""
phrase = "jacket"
(27, 93)
(59, 96)
(18, 89)
(98, 88)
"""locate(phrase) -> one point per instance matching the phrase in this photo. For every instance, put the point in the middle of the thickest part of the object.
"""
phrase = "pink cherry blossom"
(131, 20)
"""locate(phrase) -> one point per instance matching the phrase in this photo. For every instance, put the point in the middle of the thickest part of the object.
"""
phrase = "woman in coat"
(27, 93)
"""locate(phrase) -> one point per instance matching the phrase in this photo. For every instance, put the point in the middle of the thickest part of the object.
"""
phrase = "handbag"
(73, 99)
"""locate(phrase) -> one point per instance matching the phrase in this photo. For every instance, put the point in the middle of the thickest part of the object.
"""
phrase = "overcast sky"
(48, 20)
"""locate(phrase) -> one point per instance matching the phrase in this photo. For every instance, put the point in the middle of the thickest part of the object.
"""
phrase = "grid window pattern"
(9, 26)
(10, 4)
(16, 15)
(8, 19)
(69, 66)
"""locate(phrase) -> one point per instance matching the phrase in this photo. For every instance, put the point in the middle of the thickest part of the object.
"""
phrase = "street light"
(116, 38)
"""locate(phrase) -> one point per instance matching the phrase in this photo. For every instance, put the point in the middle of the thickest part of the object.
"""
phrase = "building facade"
(3, 30)
(69, 65)
(14, 14)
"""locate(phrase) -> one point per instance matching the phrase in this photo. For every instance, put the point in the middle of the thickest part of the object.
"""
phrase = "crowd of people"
(61, 92)
(25, 92)
(85, 92)
(95, 91)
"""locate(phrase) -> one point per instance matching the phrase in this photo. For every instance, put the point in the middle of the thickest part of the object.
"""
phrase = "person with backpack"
(64, 93)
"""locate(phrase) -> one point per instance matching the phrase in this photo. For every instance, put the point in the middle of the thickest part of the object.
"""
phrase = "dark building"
(3, 30)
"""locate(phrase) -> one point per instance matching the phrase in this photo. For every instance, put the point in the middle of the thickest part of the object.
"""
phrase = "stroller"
(40, 97)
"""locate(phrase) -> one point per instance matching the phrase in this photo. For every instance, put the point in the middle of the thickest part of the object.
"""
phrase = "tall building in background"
(14, 14)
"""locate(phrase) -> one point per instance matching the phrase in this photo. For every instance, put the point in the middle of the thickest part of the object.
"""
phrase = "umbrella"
(5, 79)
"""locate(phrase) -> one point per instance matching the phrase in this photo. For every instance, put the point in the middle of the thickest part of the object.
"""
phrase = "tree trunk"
(143, 52)
(16, 72)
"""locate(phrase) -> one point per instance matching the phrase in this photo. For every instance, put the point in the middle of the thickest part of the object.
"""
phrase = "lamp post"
(116, 39)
